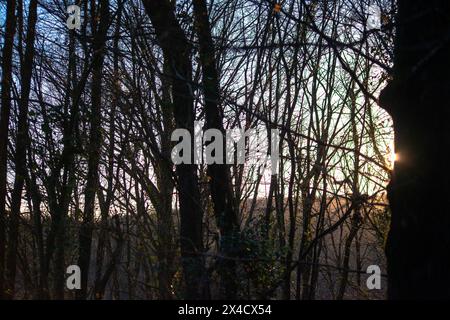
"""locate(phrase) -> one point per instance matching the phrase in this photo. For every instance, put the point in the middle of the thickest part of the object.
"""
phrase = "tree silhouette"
(418, 100)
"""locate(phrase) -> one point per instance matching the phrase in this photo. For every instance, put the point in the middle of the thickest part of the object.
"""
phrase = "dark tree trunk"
(4, 121)
(165, 185)
(176, 49)
(418, 99)
(220, 184)
(95, 143)
(21, 147)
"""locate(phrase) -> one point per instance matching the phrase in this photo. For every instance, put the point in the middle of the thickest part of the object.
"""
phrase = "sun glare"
(393, 158)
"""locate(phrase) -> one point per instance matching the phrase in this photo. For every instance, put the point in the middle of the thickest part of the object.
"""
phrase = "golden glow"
(394, 157)
(391, 155)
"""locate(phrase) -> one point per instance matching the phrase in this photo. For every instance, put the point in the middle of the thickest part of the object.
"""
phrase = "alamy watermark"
(74, 19)
(252, 146)
(374, 280)
(73, 281)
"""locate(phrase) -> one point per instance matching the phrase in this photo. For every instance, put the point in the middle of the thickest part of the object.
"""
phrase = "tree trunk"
(177, 51)
(21, 147)
(4, 121)
(418, 99)
(220, 183)
(165, 184)
(95, 143)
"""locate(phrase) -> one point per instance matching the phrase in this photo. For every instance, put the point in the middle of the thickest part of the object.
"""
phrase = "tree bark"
(418, 100)
(220, 183)
(21, 147)
(176, 49)
(4, 121)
